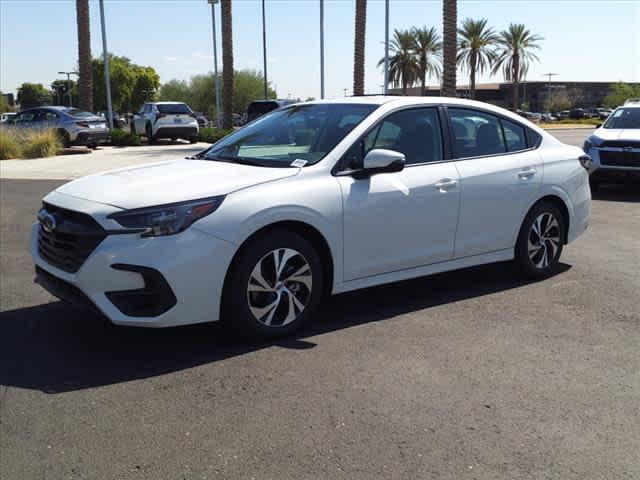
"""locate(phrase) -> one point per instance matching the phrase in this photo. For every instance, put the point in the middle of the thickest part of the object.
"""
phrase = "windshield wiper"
(239, 160)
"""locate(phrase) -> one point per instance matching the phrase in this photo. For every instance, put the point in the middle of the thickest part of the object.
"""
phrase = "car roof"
(166, 103)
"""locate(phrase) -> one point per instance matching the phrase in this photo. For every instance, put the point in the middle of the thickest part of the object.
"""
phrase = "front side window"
(305, 132)
(415, 132)
(624, 118)
(476, 133)
(26, 117)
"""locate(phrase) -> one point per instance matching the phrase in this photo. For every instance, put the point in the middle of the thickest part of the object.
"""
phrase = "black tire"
(64, 138)
(543, 259)
(193, 139)
(150, 138)
(238, 301)
(594, 184)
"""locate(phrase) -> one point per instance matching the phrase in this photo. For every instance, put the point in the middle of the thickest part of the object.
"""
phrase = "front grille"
(72, 240)
(621, 143)
(620, 159)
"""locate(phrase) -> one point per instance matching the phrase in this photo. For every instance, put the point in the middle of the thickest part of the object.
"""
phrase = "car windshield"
(304, 132)
(624, 118)
(76, 112)
(173, 108)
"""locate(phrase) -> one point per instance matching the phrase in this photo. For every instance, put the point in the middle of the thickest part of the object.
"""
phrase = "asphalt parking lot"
(474, 374)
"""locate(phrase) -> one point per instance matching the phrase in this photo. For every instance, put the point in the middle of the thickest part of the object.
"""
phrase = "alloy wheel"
(279, 287)
(544, 240)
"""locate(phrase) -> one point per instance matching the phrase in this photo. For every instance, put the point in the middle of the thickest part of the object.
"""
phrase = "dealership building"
(534, 94)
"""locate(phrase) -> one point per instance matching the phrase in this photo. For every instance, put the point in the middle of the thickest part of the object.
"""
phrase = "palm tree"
(85, 85)
(428, 50)
(227, 65)
(515, 47)
(449, 47)
(403, 66)
(476, 52)
(358, 51)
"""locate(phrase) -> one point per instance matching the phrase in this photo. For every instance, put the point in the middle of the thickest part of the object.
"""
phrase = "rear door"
(500, 173)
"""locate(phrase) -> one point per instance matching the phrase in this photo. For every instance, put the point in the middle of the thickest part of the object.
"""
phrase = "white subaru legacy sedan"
(313, 199)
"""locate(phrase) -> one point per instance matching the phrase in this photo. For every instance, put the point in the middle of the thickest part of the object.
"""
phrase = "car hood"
(168, 182)
(617, 133)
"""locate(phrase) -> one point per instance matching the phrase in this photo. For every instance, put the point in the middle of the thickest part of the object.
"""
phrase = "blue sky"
(584, 39)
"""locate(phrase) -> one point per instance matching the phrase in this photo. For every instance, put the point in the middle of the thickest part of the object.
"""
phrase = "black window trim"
(340, 170)
(527, 130)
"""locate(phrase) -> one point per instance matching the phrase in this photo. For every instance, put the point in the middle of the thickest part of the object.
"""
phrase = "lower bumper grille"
(72, 239)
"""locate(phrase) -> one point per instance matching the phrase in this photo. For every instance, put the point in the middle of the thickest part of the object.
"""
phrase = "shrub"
(22, 143)
(9, 146)
(120, 138)
(212, 135)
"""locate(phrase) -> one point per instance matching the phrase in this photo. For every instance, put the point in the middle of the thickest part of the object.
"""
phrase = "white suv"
(313, 199)
(166, 120)
(615, 146)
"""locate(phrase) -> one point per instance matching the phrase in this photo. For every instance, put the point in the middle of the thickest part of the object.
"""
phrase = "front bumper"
(615, 164)
(193, 264)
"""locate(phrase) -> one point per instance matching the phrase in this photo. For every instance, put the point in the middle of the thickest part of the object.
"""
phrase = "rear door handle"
(446, 184)
(527, 172)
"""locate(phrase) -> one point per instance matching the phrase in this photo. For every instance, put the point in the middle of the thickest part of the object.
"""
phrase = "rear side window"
(173, 108)
(476, 133)
(514, 135)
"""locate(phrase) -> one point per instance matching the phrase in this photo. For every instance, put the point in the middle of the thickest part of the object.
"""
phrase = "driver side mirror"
(598, 125)
(380, 160)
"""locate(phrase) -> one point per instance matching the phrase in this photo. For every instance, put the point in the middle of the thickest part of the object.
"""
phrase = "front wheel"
(193, 139)
(274, 286)
(540, 241)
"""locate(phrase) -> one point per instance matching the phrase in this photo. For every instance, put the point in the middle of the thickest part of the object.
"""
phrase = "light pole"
(215, 61)
(321, 48)
(68, 74)
(264, 50)
(386, 46)
(549, 87)
(105, 55)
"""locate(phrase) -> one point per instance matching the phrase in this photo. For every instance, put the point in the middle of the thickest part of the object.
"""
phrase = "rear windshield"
(173, 108)
(76, 112)
(260, 108)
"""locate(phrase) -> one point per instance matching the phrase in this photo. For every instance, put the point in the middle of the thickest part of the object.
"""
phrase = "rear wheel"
(274, 286)
(540, 241)
(193, 139)
(64, 138)
(594, 184)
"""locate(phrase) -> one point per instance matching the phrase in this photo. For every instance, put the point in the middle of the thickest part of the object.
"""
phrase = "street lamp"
(68, 74)
(215, 61)
(105, 56)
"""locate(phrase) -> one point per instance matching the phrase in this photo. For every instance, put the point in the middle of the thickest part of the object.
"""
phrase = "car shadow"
(55, 348)
(618, 192)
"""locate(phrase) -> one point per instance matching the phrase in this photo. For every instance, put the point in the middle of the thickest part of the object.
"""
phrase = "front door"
(397, 221)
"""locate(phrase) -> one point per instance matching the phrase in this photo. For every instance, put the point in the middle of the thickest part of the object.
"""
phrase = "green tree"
(33, 95)
(248, 85)
(131, 84)
(403, 66)
(4, 104)
(619, 93)
(427, 48)
(60, 92)
(476, 52)
(515, 53)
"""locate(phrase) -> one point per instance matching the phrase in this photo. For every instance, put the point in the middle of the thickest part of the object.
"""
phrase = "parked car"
(75, 127)
(166, 120)
(313, 199)
(203, 121)
(548, 117)
(615, 146)
(562, 114)
(6, 117)
(260, 107)
(118, 120)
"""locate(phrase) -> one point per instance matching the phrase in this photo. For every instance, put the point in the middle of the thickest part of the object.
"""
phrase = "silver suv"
(75, 127)
(615, 146)
(166, 120)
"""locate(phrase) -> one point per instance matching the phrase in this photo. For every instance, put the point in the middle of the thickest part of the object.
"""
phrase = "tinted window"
(301, 132)
(26, 117)
(414, 132)
(173, 108)
(515, 135)
(476, 133)
(624, 118)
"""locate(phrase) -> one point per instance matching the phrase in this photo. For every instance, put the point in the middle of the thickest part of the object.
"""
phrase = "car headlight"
(167, 219)
(589, 143)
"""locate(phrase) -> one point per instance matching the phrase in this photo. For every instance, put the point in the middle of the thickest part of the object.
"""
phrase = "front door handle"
(446, 184)
(527, 172)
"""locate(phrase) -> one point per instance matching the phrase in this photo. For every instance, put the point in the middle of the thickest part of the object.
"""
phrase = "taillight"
(83, 124)
(586, 162)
